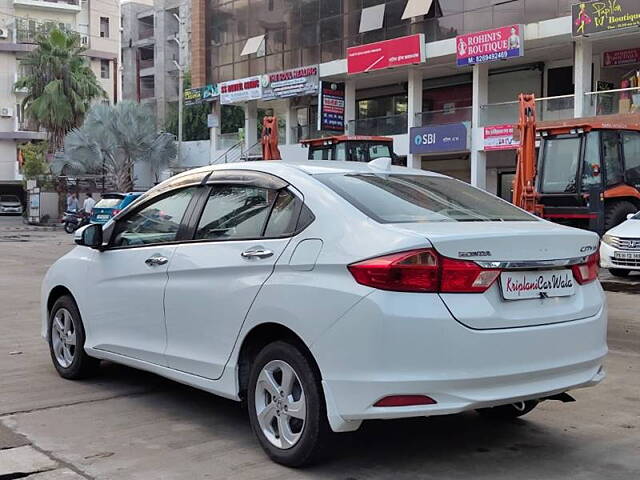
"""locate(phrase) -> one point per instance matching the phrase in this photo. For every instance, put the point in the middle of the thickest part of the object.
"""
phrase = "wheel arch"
(259, 337)
(55, 293)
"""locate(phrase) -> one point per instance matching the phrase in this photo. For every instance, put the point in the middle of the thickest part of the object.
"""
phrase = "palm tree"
(111, 140)
(60, 85)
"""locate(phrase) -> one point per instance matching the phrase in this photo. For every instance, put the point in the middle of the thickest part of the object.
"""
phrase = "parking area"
(134, 425)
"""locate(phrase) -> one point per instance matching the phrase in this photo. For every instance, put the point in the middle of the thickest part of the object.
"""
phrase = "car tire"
(616, 213)
(271, 405)
(510, 411)
(66, 339)
(619, 272)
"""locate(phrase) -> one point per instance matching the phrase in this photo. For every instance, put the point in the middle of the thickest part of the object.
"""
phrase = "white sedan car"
(326, 293)
(620, 247)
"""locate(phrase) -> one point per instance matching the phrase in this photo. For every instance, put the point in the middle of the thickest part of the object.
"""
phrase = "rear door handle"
(257, 252)
(156, 260)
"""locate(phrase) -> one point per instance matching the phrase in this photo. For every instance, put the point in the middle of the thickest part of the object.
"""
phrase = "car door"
(213, 280)
(127, 280)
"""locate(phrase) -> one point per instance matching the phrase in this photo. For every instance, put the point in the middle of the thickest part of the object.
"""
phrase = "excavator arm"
(524, 192)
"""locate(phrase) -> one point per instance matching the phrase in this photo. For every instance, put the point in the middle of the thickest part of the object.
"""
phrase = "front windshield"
(560, 164)
(9, 198)
(402, 198)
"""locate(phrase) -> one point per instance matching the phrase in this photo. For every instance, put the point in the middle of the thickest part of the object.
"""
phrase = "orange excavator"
(587, 170)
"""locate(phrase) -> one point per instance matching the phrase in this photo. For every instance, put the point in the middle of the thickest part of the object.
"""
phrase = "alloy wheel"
(280, 404)
(63, 337)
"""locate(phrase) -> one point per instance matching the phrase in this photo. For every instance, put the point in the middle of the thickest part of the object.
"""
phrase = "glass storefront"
(308, 32)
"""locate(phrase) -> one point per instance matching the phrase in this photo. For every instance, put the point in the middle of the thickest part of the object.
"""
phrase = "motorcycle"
(74, 220)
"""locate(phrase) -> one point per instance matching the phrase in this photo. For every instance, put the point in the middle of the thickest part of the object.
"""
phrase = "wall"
(8, 160)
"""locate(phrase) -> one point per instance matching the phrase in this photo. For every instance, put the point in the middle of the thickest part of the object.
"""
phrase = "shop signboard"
(621, 57)
(604, 16)
(198, 95)
(331, 103)
(450, 137)
(290, 83)
(500, 137)
(490, 45)
(241, 90)
(392, 53)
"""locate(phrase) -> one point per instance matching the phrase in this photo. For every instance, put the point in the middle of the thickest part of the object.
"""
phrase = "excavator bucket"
(269, 139)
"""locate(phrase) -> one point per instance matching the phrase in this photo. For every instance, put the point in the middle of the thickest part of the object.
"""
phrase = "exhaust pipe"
(563, 397)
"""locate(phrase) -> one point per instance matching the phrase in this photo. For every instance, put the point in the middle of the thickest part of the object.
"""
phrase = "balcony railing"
(448, 115)
(391, 125)
(612, 102)
(56, 5)
(547, 108)
(28, 30)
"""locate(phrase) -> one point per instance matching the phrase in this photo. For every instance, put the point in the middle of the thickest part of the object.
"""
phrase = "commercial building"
(150, 50)
(443, 82)
(21, 21)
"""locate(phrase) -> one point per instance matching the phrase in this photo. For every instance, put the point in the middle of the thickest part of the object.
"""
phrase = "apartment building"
(21, 21)
(150, 50)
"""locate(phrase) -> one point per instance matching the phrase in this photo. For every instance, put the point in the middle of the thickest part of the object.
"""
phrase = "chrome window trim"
(532, 264)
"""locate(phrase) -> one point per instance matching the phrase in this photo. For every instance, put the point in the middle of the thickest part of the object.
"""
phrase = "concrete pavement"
(134, 425)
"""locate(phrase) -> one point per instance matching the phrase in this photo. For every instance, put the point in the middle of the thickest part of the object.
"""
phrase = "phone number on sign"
(488, 57)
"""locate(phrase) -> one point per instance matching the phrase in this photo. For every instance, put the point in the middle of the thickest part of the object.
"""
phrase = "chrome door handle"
(156, 260)
(257, 252)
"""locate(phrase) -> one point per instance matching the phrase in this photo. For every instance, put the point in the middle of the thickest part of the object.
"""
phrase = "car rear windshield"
(400, 198)
(108, 203)
(9, 198)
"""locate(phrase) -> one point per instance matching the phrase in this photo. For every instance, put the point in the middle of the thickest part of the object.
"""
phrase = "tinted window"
(284, 215)
(611, 158)
(8, 198)
(157, 222)
(591, 172)
(398, 198)
(560, 156)
(631, 149)
(235, 212)
(108, 203)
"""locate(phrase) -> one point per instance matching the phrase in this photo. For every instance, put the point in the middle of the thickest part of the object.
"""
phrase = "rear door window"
(401, 198)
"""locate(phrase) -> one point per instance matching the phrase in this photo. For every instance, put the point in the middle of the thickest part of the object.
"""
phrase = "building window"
(104, 69)
(104, 27)
(560, 82)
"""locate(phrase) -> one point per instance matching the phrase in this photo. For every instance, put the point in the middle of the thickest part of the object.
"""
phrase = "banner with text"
(331, 106)
(490, 45)
(450, 137)
(500, 137)
(290, 83)
(196, 96)
(386, 54)
(604, 16)
(242, 90)
(621, 57)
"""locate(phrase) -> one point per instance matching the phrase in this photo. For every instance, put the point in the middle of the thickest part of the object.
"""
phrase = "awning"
(371, 18)
(253, 45)
(416, 8)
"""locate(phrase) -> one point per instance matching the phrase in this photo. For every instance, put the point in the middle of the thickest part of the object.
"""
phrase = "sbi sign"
(451, 137)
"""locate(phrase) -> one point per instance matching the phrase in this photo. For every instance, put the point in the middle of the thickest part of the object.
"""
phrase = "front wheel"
(510, 411)
(619, 272)
(66, 341)
(286, 405)
(69, 227)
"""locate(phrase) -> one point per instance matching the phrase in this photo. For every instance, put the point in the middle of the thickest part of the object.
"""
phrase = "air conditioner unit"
(84, 40)
(4, 33)
(6, 112)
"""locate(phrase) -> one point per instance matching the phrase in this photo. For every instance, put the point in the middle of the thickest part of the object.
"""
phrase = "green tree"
(34, 159)
(113, 138)
(60, 85)
(194, 120)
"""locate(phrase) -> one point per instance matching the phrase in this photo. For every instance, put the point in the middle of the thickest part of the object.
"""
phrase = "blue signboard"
(451, 137)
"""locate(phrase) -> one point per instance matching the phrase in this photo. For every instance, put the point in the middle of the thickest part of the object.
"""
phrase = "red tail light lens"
(588, 271)
(423, 270)
(404, 401)
(115, 212)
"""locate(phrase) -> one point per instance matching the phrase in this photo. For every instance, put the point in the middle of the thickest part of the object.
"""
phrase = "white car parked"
(620, 247)
(328, 293)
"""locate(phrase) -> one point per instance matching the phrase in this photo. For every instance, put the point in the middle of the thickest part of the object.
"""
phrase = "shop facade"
(448, 68)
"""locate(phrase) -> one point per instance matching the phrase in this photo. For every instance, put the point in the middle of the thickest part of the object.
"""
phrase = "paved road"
(133, 425)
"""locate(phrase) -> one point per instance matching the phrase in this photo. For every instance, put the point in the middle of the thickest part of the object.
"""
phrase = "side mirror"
(89, 236)
(631, 215)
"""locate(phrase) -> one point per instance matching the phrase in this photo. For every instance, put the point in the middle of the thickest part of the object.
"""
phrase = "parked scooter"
(74, 220)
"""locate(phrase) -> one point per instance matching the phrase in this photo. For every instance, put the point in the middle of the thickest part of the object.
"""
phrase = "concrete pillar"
(214, 133)
(349, 106)
(480, 95)
(291, 122)
(250, 124)
(583, 53)
(414, 107)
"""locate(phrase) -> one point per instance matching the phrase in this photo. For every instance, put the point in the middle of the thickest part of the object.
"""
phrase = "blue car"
(110, 205)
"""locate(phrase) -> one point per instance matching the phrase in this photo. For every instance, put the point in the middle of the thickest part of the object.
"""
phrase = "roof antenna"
(381, 163)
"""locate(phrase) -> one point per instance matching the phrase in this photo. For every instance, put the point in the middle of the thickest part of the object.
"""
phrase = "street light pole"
(180, 67)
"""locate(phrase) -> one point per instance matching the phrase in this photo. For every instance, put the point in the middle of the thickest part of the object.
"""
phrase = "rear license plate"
(538, 284)
(102, 217)
(627, 255)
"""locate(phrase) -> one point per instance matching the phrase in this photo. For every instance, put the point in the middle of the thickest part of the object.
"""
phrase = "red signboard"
(386, 54)
(621, 57)
(500, 137)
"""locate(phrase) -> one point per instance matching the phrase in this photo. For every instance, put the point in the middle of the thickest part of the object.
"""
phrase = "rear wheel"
(616, 213)
(619, 272)
(286, 405)
(66, 341)
(506, 412)
(69, 227)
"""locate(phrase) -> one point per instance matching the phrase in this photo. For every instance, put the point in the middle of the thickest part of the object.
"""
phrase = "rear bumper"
(608, 260)
(462, 369)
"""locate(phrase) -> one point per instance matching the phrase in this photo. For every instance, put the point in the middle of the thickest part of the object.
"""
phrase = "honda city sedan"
(323, 294)
(620, 247)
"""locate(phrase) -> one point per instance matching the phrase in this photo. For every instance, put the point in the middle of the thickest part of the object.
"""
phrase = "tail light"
(404, 401)
(423, 270)
(588, 271)
(115, 212)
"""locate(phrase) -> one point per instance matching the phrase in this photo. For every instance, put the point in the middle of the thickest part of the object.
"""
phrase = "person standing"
(72, 203)
(88, 205)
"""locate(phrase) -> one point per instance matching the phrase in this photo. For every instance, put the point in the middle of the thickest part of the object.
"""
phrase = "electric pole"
(180, 67)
